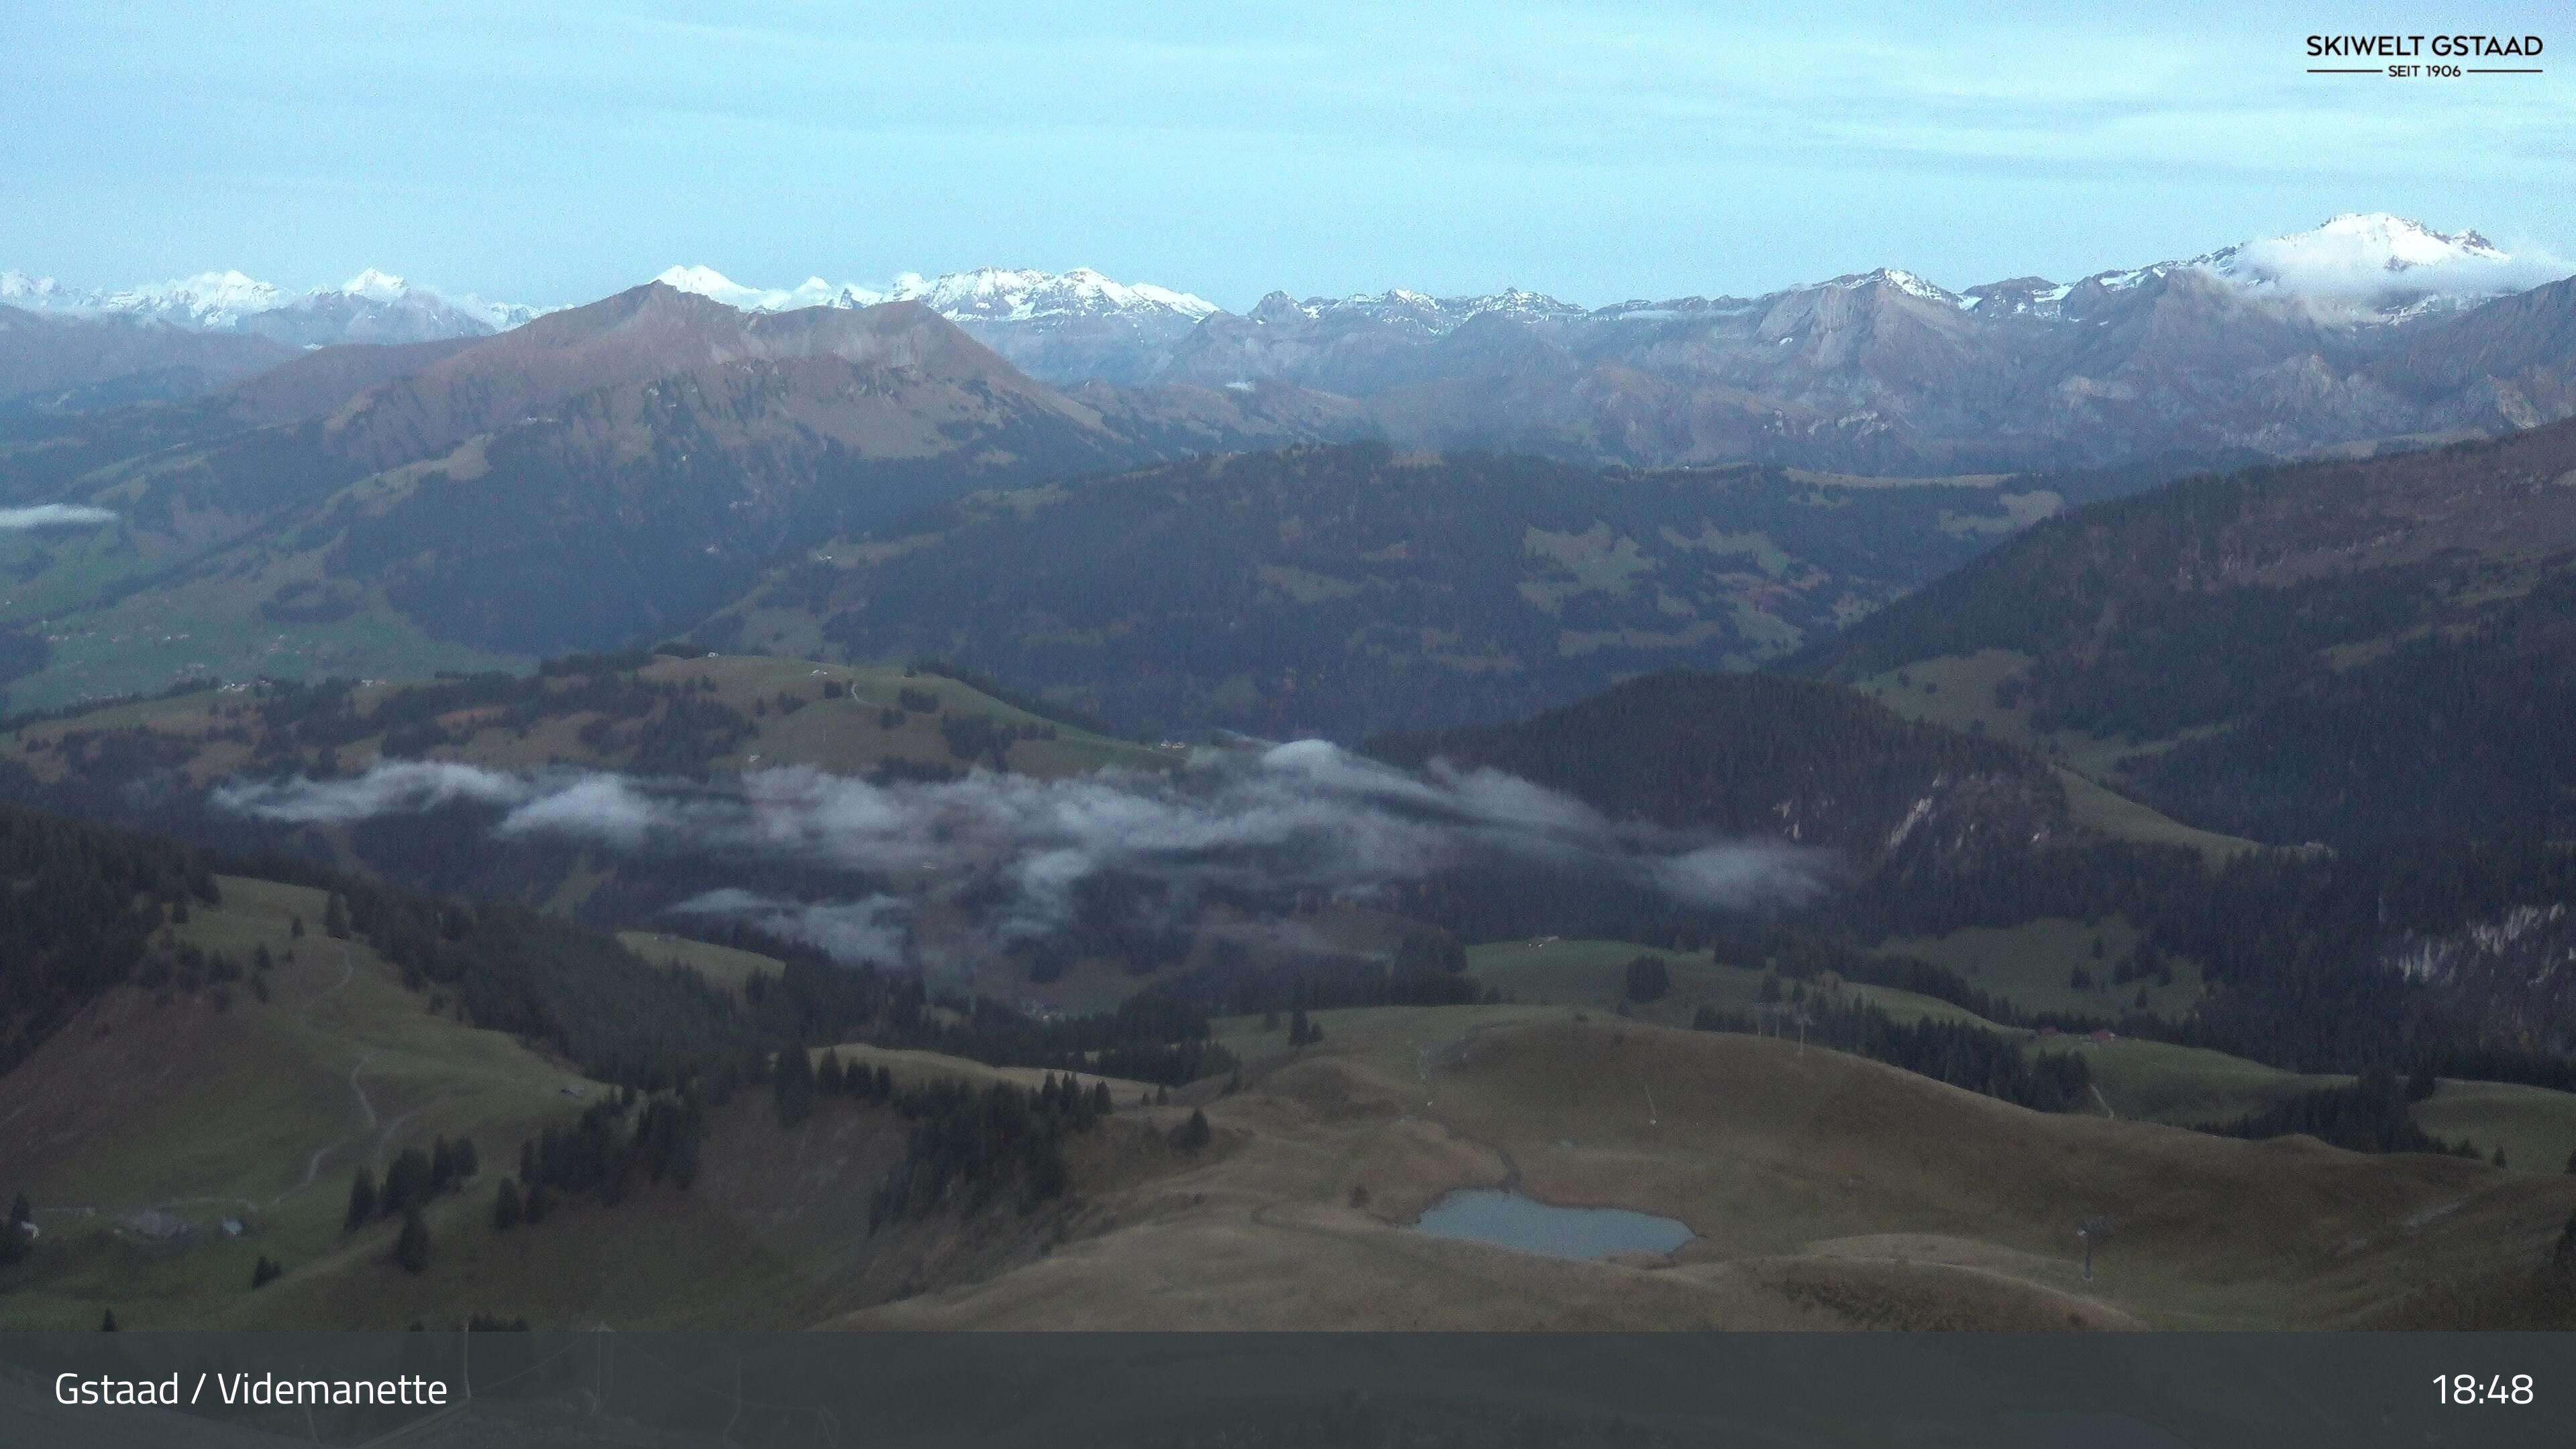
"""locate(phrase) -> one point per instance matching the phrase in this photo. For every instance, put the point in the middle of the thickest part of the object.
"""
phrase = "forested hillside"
(2439, 952)
(1345, 590)
(2336, 651)
(1743, 753)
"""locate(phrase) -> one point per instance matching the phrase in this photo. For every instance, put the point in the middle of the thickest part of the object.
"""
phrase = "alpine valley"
(1023, 800)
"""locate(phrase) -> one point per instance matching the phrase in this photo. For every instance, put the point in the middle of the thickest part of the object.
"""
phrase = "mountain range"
(211, 495)
(2367, 327)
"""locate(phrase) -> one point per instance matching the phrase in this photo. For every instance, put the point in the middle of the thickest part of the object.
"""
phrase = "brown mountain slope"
(319, 382)
(120, 358)
(648, 332)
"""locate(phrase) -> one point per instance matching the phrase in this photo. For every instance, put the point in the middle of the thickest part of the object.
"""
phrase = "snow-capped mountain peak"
(208, 301)
(984, 294)
(17, 289)
(706, 281)
(373, 306)
(1005, 294)
(1903, 281)
(2373, 262)
(375, 286)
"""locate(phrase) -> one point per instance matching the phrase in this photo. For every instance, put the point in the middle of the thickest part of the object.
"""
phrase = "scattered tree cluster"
(1959, 1053)
(85, 908)
(412, 1179)
(2371, 1115)
(969, 1145)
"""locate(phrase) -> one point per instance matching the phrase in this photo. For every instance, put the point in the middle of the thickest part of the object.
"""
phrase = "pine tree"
(407, 1182)
(1648, 979)
(335, 918)
(541, 1201)
(263, 1273)
(829, 1079)
(295, 928)
(469, 1162)
(23, 1211)
(1101, 1106)
(506, 1209)
(411, 1249)
(107, 1324)
(1194, 1134)
(791, 1081)
(2498, 1159)
(362, 1201)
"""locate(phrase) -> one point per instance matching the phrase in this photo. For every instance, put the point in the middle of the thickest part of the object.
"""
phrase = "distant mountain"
(599, 476)
(2366, 328)
(72, 362)
(2347, 651)
(182, 339)
(2376, 267)
(1058, 327)
(372, 306)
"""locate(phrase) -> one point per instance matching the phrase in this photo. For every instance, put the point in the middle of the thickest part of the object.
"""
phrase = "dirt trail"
(375, 1127)
(366, 1108)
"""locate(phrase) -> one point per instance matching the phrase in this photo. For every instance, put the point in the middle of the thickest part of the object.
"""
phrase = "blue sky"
(556, 151)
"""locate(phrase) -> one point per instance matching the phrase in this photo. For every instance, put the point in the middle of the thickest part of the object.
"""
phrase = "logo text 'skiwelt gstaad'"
(2425, 57)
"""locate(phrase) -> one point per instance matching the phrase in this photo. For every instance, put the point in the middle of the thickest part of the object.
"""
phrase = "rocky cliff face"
(2511, 976)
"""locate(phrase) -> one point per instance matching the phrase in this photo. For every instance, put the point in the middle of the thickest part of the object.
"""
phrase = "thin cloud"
(54, 515)
(1304, 817)
(869, 931)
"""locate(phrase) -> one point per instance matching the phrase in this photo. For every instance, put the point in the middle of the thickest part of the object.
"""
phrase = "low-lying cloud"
(1305, 817)
(870, 930)
(2335, 276)
(53, 515)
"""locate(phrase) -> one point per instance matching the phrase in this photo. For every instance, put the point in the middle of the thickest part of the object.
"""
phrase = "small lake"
(1508, 1219)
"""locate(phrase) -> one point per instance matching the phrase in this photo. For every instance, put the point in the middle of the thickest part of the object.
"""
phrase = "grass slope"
(1825, 1192)
(201, 734)
(2139, 1080)
(223, 1106)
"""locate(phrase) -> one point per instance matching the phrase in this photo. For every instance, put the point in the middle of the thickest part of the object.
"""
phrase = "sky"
(1598, 151)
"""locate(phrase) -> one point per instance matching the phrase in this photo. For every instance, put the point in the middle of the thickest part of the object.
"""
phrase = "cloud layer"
(1300, 817)
(53, 515)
